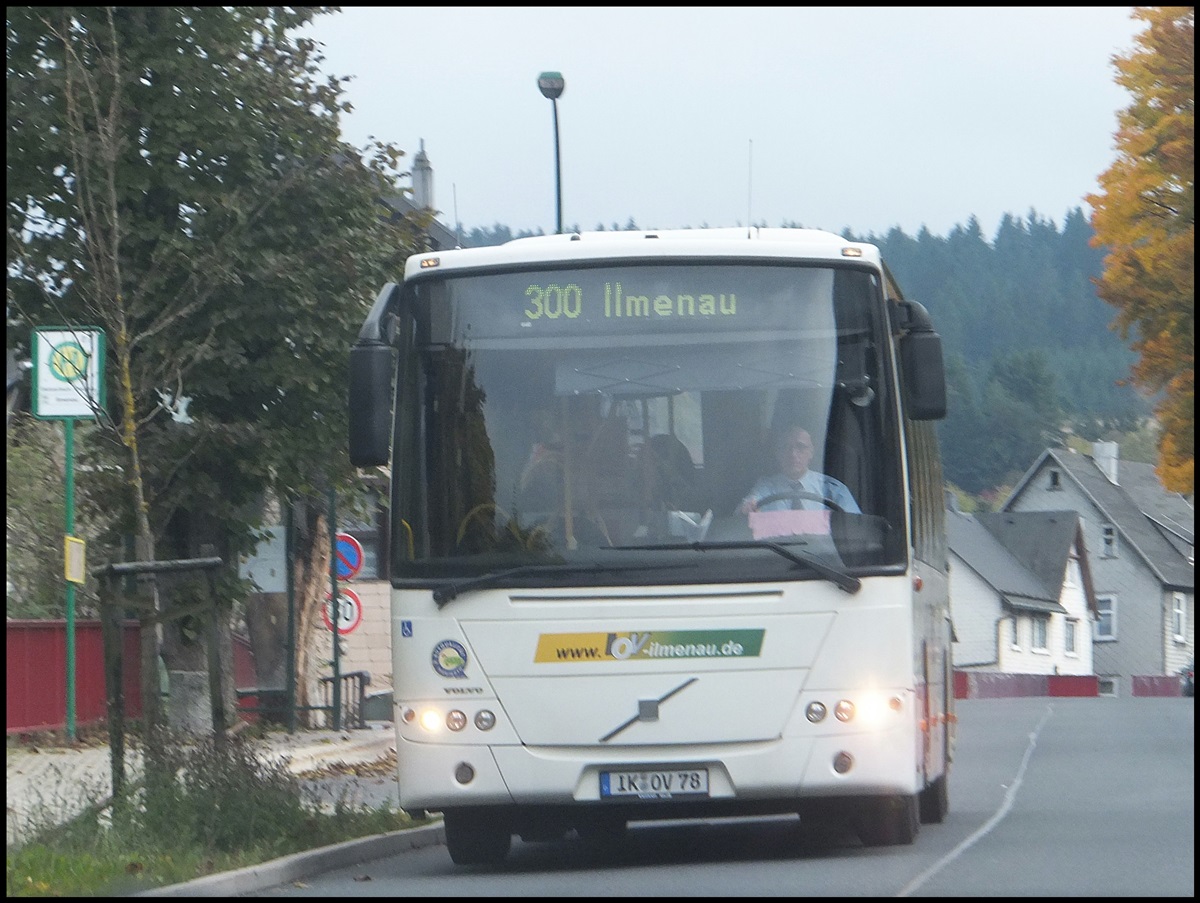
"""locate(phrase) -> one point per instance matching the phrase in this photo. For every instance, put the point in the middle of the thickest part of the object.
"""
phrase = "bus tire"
(477, 836)
(603, 831)
(888, 821)
(935, 801)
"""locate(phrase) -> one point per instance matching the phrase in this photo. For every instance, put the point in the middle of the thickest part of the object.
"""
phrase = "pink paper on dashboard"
(765, 524)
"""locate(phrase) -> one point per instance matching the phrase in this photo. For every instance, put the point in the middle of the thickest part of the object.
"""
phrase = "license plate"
(659, 784)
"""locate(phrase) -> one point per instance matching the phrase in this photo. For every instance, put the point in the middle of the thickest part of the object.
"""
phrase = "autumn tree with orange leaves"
(1144, 218)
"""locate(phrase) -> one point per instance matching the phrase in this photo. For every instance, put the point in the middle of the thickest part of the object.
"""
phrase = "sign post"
(68, 383)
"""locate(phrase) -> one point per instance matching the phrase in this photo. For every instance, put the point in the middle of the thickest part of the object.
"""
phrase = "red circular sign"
(348, 557)
(350, 611)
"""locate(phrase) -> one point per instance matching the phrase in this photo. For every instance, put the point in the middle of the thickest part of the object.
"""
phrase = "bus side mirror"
(371, 369)
(924, 376)
(923, 370)
(370, 407)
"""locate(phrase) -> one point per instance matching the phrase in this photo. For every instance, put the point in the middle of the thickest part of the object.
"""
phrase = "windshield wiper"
(844, 581)
(444, 594)
(449, 591)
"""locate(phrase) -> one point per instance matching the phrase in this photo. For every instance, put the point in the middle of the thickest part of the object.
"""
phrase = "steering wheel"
(477, 513)
(799, 495)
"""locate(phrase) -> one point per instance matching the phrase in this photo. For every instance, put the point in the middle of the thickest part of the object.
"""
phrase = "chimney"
(1106, 455)
(422, 180)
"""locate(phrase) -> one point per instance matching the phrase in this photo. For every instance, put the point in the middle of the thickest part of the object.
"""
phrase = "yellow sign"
(74, 554)
(68, 361)
(651, 644)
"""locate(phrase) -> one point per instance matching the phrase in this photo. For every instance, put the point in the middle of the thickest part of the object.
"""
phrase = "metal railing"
(353, 692)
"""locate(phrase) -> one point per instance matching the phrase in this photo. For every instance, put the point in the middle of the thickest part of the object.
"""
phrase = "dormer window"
(1110, 541)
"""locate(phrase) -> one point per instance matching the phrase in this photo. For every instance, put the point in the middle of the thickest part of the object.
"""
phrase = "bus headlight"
(485, 720)
(815, 712)
(875, 708)
(456, 720)
(431, 720)
(844, 710)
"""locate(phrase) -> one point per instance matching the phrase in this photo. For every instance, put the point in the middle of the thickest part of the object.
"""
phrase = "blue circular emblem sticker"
(450, 659)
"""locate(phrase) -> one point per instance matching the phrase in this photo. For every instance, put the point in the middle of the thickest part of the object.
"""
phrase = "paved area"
(48, 784)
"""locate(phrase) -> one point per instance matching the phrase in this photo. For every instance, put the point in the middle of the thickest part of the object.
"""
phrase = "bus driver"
(795, 486)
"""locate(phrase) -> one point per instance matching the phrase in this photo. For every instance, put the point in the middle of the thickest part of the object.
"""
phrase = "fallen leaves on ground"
(380, 768)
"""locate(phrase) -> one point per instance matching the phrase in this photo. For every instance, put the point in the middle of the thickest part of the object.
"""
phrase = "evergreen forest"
(1031, 359)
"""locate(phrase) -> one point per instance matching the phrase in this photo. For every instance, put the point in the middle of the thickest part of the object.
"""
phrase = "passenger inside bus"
(574, 469)
(668, 474)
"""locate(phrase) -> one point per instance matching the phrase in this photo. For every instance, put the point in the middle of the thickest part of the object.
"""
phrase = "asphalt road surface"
(1049, 797)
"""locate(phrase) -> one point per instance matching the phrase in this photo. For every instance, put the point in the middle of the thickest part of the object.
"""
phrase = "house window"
(1110, 541)
(363, 516)
(1069, 637)
(1106, 685)
(1041, 625)
(1106, 618)
(1070, 581)
(1014, 632)
(1055, 480)
(1179, 616)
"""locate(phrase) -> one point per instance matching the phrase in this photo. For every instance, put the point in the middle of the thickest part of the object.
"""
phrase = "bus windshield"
(647, 423)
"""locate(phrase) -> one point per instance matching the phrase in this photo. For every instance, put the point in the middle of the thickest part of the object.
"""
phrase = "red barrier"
(37, 674)
(1073, 685)
(36, 691)
(1001, 685)
(962, 685)
(1157, 685)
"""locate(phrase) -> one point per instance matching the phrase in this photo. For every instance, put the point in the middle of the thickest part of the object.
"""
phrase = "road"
(1049, 797)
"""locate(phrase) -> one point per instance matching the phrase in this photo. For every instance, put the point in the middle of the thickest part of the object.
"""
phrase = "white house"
(1020, 593)
(1142, 558)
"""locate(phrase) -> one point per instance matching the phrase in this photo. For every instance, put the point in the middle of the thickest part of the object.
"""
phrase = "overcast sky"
(831, 117)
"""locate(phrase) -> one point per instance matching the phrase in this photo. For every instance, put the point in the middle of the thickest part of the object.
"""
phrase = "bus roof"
(754, 243)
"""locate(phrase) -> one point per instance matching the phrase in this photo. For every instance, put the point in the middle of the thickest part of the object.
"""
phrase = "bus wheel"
(888, 821)
(477, 836)
(935, 801)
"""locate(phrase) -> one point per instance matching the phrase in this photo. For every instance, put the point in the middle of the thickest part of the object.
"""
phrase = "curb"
(298, 866)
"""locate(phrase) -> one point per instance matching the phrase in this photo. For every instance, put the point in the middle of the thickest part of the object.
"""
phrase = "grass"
(198, 809)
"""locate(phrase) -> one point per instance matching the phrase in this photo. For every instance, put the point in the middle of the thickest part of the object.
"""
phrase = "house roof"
(1040, 540)
(439, 236)
(1122, 506)
(1172, 513)
(1041, 605)
(987, 552)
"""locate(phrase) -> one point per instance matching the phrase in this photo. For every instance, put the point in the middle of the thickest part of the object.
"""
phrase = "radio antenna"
(749, 185)
(457, 224)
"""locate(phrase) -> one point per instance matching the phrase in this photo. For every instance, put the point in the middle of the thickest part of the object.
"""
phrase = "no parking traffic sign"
(349, 557)
(350, 611)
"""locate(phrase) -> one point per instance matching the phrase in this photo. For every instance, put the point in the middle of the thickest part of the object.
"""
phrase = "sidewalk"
(49, 784)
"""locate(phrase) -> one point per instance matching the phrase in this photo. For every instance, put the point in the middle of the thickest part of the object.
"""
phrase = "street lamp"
(551, 85)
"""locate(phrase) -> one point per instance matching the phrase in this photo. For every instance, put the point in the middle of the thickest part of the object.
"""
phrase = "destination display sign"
(632, 300)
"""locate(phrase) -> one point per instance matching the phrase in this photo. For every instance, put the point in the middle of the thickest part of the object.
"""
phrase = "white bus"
(601, 612)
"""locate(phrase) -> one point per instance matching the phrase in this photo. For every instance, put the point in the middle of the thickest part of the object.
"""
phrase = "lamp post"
(551, 85)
